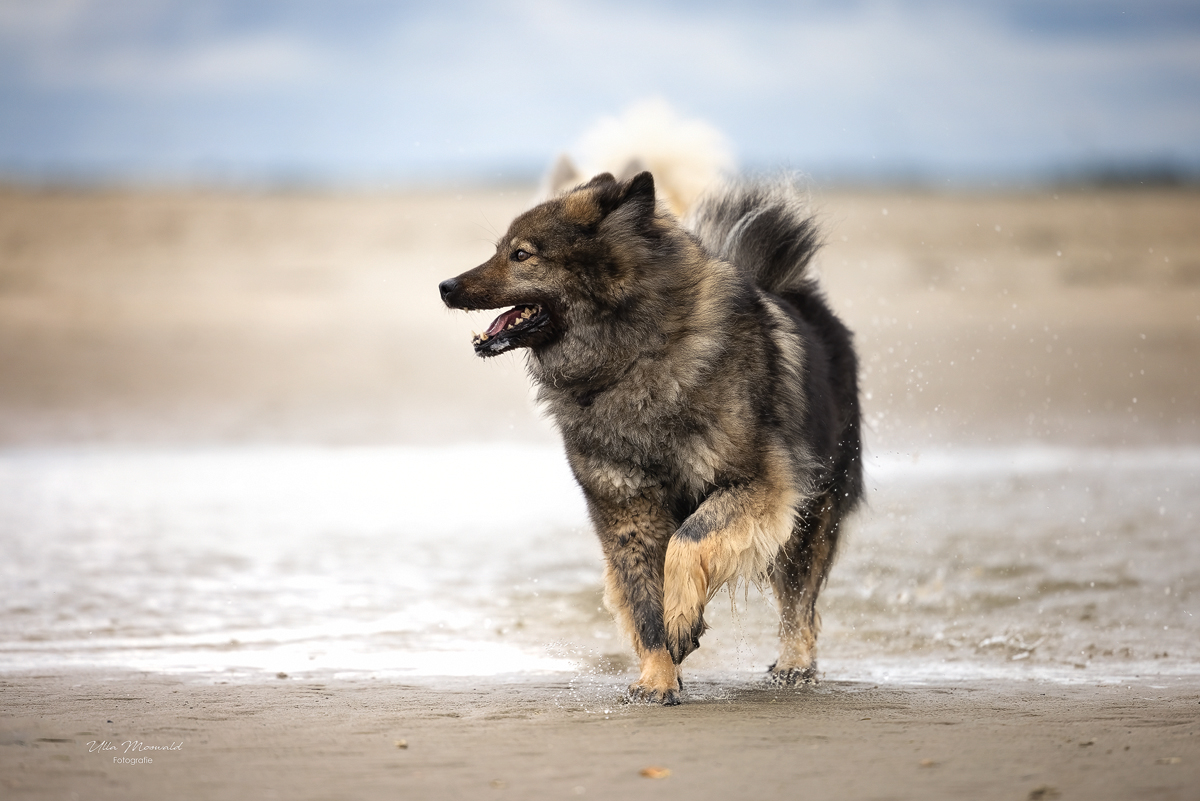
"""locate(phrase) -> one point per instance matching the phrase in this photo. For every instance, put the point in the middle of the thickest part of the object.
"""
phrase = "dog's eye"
(521, 255)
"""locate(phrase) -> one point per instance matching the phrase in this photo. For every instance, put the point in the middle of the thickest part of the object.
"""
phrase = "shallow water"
(1072, 565)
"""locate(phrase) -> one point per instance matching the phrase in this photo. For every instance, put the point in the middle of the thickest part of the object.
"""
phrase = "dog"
(706, 394)
(686, 155)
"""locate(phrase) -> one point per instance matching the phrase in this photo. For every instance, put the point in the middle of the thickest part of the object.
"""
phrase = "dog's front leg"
(634, 536)
(735, 533)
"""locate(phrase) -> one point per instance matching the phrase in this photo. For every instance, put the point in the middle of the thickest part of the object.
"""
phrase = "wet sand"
(173, 318)
(530, 739)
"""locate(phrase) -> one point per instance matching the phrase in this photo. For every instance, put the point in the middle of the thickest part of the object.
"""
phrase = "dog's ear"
(588, 204)
(639, 190)
(605, 195)
(600, 180)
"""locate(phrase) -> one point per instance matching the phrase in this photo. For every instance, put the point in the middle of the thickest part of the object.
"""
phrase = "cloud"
(142, 47)
(932, 84)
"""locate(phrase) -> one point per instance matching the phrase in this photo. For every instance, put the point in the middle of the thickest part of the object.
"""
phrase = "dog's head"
(561, 264)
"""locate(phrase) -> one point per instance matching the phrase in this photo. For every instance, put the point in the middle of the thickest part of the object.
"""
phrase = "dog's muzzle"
(449, 288)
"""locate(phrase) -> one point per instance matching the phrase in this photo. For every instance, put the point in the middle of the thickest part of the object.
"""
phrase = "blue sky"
(362, 91)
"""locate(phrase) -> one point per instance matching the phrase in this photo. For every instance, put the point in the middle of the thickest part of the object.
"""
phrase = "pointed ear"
(639, 190)
(601, 179)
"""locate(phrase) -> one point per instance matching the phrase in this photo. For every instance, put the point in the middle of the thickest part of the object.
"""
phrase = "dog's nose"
(448, 288)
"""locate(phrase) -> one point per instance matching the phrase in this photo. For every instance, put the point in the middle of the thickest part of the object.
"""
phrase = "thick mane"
(762, 227)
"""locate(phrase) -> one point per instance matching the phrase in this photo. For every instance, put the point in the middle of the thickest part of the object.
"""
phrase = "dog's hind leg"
(735, 533)
(797, 576)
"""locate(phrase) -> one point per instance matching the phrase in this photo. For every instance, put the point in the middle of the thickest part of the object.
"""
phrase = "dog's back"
(766, 229)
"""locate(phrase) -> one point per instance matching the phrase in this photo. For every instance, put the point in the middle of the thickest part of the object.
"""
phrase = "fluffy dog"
(686, 155)
(706, 394)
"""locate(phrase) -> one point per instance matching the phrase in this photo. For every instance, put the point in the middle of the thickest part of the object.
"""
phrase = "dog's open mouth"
(513, 329)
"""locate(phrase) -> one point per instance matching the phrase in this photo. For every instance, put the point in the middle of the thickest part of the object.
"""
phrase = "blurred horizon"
(370, 94)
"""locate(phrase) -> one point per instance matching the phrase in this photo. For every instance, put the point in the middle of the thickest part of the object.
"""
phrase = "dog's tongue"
(501, 322)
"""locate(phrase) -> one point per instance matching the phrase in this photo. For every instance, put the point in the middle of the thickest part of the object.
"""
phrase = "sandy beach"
(531, 739)
(143, 332)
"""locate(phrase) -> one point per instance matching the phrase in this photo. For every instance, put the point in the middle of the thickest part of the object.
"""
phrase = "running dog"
(706, 394)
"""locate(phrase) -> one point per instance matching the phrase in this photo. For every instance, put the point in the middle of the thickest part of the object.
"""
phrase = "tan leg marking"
(685, 592)
(660, 681)
(734, 534)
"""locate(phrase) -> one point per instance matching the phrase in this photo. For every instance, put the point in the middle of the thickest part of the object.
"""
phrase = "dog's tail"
(762, 227)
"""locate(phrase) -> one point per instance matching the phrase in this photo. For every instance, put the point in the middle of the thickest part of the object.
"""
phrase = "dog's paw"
(647, 694)
(683, 634)
(660, 682)
(792, 676)
(685, 591)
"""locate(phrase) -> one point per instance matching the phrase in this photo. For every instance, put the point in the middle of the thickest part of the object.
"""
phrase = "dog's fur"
(706, 394)
(686, 155)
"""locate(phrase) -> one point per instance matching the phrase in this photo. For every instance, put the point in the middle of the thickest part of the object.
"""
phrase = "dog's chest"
(627, 457)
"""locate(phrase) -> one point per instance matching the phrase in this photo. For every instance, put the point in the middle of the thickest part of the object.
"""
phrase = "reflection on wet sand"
(1064, 564)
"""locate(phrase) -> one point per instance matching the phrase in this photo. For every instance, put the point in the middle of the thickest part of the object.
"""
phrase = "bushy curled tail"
(762, 227)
